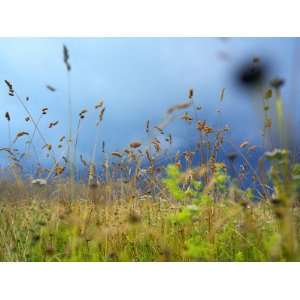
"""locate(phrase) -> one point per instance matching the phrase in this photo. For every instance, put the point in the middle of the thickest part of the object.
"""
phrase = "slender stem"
(280, 119)
(10, 149)
(9, 135)
(34, 123)
(76, 142)
(70, 149)
(33, 134)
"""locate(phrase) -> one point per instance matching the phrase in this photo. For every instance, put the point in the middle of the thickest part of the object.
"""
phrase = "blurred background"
(140, 78)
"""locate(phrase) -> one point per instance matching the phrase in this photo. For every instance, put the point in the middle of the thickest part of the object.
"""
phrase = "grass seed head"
(52, 124)
(117, 154)
(44, 110)
(135, 144)
(7, 116)
(66, 57)
(99, 104)
(83, 161)
(179, 106)
(50, 88)
(20, 134)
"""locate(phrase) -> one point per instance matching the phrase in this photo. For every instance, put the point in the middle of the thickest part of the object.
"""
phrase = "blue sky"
(138, 79)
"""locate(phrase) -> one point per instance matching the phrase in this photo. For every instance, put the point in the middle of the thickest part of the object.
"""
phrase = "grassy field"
(203, 205)
(144, 229)
(214, 222)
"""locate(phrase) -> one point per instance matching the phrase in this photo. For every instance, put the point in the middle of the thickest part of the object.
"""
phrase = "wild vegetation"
(203, 205)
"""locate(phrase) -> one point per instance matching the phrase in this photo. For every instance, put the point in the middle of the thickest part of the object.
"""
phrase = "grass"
(141, 230)
(203, 205)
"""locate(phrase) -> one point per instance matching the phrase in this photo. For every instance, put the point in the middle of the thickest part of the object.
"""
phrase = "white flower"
(39, 181)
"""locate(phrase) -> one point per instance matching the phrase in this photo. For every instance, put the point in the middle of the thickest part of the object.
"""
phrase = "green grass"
(193, 228)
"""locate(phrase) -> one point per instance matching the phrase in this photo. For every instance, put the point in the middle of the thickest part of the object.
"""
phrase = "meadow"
(202, 205)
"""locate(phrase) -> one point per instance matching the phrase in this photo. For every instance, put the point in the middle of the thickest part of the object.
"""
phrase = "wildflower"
(39, 182)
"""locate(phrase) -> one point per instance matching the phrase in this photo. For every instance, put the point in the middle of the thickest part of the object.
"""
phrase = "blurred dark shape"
(232, 156)
(277, 83)
(134, 218)
(253, 74)
(256, 60)
(50, 88)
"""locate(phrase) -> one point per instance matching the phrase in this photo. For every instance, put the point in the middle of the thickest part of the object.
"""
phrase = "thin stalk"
(9, 135)
(76, 143)
(266, 125)
(201, 152)
(70, 150)
(34, 123)
(280, 122)
(33, 134)
(10, 149)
